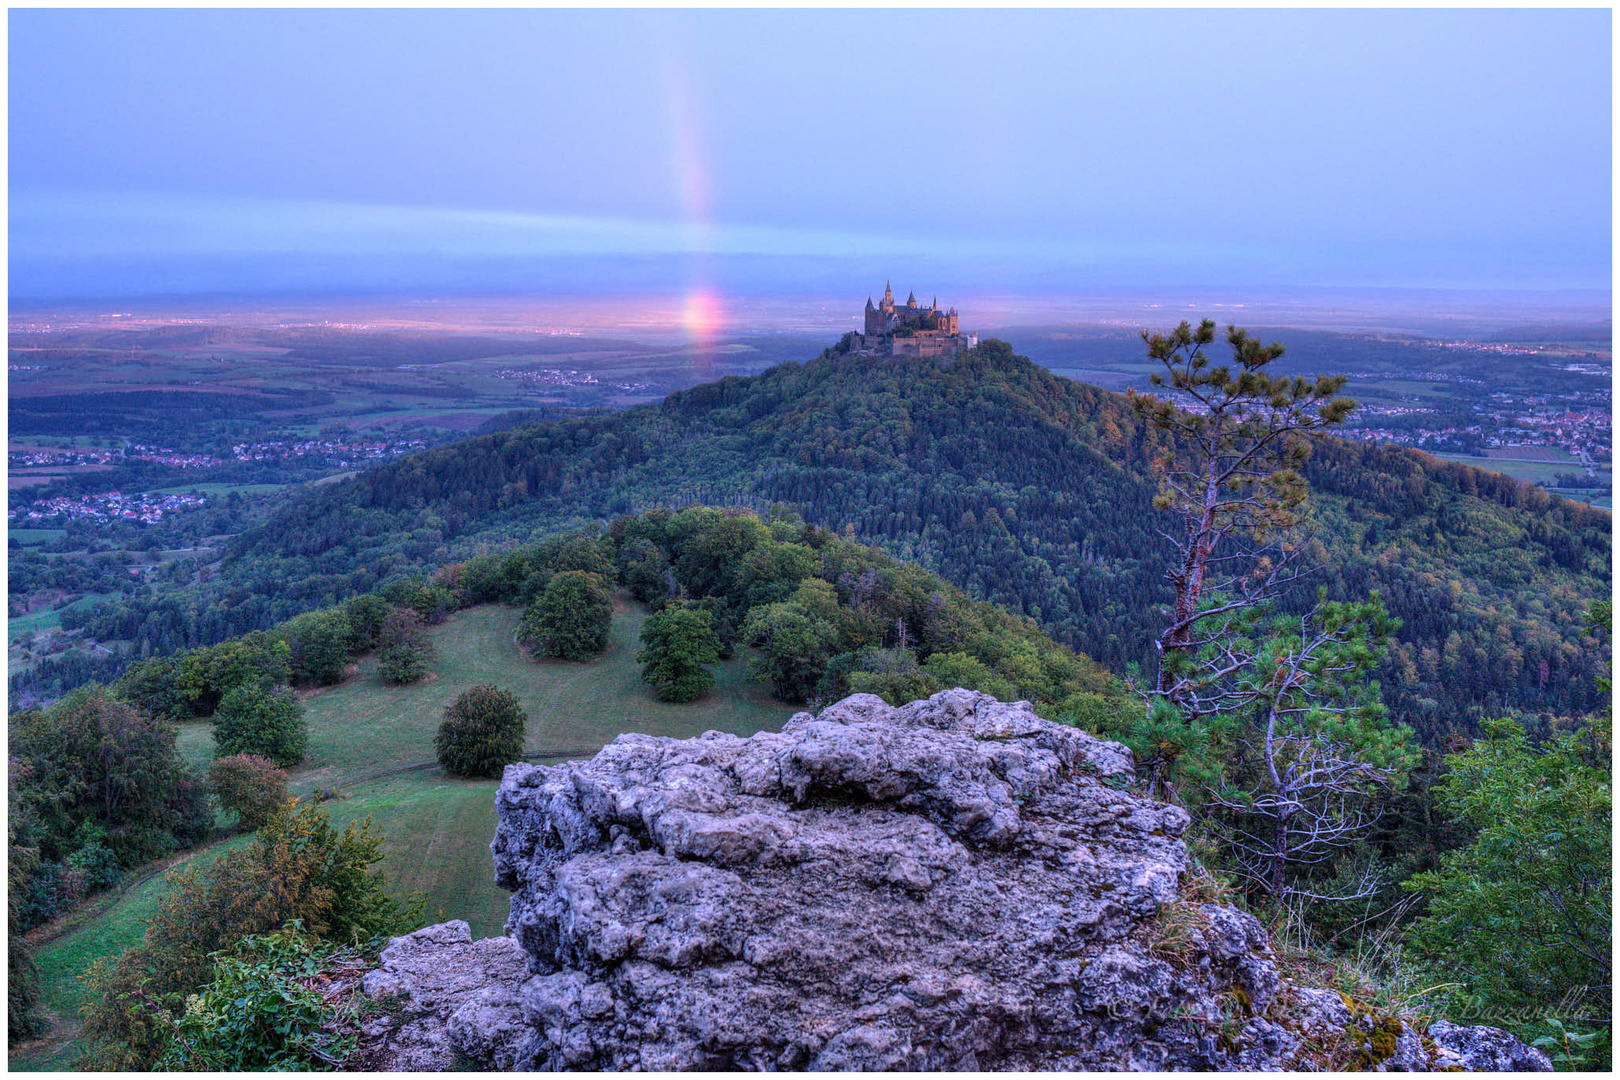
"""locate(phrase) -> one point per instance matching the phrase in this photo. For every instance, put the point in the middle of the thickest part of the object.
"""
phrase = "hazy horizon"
(726, 154)
(652, 315)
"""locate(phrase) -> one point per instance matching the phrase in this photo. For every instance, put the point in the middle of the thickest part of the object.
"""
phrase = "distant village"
(344, 454)
(1584, 432)
(569, 377)
(108, 506)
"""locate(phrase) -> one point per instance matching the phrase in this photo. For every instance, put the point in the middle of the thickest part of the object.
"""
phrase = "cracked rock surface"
(951, 884)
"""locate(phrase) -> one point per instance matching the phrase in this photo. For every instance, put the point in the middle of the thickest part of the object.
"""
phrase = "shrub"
(22, 992)
(570, 619)
(969, 672)
(154, 686)
(893, 675)
(482, 732)
(406, 662)
(22, 976)
(256, 1015)
(299, 868)
(366, 614)
(400, 624)
(644, 567)
(248, 785)
(268, 721)
(676, 644)
(795, 645)
(1525, 909)
(94, 863)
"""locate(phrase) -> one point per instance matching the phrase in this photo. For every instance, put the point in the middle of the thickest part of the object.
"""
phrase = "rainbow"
(702, 307)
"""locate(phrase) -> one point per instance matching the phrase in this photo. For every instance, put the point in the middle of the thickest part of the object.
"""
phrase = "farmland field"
(1532, 471)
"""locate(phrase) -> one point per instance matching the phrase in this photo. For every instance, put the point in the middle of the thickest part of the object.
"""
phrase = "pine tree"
(1233, 480)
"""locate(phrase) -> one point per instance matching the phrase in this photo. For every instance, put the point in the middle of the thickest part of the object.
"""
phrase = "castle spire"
(888, 294)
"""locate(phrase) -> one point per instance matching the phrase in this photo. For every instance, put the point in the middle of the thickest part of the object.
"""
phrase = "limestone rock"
(1484, 1049)
(456, 999)
(952, 884)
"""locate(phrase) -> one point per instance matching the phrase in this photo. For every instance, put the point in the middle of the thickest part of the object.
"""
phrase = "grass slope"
(373, 745)
(64, 947)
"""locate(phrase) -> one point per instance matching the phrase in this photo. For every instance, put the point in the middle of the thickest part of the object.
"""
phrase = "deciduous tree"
(570, 620)
(677, 645)
(482, 732)
(262, 719)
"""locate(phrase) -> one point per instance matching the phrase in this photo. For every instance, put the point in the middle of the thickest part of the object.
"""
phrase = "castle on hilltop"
(912, 330)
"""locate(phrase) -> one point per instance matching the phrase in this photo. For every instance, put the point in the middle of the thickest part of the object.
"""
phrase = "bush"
(401, 624)
(154, 686)
(795, 642)
(299, 868)
(406, 648)
(268, 721)
(22, 976)
(405, 663)
(22, 992)
(1525, 911)
(482, 732)
(250, 786)
(94, 863)
(256, 1015)
(676, 644)
(645, 569)
(431, 602)
(366, 614)
(969, 672)
(893, 675)
(570, 619)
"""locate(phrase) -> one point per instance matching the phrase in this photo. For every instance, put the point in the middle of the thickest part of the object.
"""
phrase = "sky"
(284, 150)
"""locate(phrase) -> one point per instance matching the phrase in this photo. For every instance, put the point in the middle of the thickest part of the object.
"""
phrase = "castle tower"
(911, 301)
(888, 297)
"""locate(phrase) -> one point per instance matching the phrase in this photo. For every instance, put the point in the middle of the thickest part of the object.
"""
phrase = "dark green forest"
(1025, 489)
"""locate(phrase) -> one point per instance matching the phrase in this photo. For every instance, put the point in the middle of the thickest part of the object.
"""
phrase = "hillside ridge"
(1025, 488)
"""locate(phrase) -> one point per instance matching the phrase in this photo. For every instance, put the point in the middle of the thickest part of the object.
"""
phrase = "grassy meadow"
(371, 752)
(65, 947)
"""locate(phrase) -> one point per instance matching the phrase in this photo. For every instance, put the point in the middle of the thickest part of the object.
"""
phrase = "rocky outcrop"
(446, 1001)
(953, 884)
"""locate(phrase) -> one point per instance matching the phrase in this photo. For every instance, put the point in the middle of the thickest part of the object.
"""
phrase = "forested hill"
(1024, 488)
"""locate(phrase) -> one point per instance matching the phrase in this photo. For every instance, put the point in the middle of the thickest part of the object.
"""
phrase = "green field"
(1534, 472)
(363, 729)
(220, 489)
(372, 745)
(49, 619)
(29, 537)
(104, 927)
